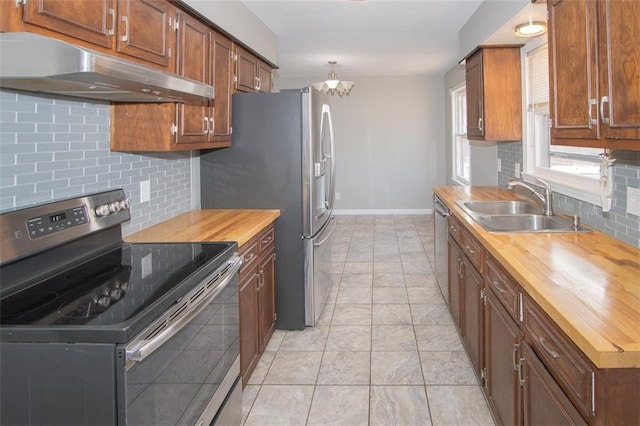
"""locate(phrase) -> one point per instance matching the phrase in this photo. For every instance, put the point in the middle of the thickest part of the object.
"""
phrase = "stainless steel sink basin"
(500, 207)
(525, 223)
(515, 217)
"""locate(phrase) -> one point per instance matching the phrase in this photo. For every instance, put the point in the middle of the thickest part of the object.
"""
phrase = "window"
(461, 160)
(572, 171)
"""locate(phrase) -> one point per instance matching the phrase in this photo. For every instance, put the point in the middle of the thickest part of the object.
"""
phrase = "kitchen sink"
(516, 217)
(500, 207)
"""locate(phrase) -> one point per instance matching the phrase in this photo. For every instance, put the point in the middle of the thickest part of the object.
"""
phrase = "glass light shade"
(318, 85)
(531, 29)
(332, 84)
(346, 85)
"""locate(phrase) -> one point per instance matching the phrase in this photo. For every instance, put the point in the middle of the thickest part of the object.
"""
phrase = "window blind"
(538, 79)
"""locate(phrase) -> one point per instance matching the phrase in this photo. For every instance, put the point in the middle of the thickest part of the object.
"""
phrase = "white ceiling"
(366, 37)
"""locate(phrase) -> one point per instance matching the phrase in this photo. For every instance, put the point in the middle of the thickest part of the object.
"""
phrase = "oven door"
(180, 369)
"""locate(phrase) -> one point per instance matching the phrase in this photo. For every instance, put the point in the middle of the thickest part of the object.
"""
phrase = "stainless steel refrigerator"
(282, 157)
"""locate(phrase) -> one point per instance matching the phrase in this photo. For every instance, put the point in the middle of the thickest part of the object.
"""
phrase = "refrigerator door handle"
(331, 156)
(333, 228)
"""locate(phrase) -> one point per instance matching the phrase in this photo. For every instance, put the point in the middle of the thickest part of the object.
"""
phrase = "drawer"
(266, 238)
(249, 253)
(455, 229)
(472, 248)
(566, 363)
(504, 287)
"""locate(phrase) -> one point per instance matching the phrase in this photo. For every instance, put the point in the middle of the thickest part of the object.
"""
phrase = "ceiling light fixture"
(333, 85)
(531, 28)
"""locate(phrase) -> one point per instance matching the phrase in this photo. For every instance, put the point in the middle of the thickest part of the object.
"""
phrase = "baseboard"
(347, 212)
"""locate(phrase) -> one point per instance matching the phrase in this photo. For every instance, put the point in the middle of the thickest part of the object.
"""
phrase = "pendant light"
(333, 85)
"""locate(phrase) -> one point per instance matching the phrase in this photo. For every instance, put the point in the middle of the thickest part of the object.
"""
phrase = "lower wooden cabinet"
(544, 402)
(257, 300)
(455, 287)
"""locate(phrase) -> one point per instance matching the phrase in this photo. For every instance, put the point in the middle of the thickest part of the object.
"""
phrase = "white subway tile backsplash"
(54, 148)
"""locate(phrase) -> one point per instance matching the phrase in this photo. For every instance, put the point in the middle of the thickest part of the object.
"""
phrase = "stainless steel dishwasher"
(440, 213)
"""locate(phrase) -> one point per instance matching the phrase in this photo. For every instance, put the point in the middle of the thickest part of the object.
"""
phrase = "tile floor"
(385, 351)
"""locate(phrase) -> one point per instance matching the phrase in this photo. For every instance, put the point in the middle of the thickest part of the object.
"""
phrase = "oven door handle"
(170, 323)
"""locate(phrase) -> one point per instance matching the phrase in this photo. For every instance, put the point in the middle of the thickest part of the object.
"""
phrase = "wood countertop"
(588, 283)
(208, 225)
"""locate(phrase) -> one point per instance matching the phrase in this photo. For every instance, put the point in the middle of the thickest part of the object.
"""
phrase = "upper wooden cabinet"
(139, 29)
(202, 55)
(594, 73)
(252, 74)
(494, 94)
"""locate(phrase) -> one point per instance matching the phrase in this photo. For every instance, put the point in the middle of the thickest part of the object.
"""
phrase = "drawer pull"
(543, 342)
(497, 286)
(516, 348)
(521, 380)
(470, 250)
(267, 240)
(249, 258)
(453, 228)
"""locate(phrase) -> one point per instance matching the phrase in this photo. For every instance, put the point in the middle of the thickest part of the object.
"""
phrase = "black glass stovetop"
(111, 288)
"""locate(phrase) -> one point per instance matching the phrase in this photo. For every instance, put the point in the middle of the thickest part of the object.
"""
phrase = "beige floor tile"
(340, 405)
(349, 338)
(262, 368)
(345, 368)
(276, 340)
(249, 394)
(388, 280)
(399, 405)
(430, 314)
(391, 314)
(413, 267)
(281, 405)
(428, 294)
(354, 295)
(387, 267)
(294, 368)
(396, 368)
(438, 338)
(352, 314)
(390, 295)
(393, 338)
(423, 279)
(458, 405)
(308, 339)
(360, 256)
(361, 280)
(358, 268)
(327, 314)
(447, 368)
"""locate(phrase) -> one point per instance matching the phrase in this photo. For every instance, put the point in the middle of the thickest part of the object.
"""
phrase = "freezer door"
(319, 162)
(317, 264)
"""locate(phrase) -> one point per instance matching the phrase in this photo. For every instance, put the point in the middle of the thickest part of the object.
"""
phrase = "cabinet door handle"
(267, 240)
(521, 379)
(480, 124)
(261, 273)
(112, 13)
(206, 128)
(470, 250)
(497, 287)
(592, 120)
(125, 37)
(543, 342)
(213, 125)
(258, 285)
(249, 258)
(603, 100)
(516, 349)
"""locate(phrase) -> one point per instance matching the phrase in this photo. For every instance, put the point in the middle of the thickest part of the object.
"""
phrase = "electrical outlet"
(337, 196)
(145, 191)
(499, 165)
(633, 200)
(516, 166)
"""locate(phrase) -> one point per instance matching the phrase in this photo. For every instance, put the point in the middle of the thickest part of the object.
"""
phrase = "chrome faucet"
(545, 198)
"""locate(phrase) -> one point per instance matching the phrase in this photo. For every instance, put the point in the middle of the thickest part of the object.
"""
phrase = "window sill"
(578, 187)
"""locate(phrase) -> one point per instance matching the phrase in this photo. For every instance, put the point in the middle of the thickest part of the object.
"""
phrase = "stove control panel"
(48, 224)
(111, 208)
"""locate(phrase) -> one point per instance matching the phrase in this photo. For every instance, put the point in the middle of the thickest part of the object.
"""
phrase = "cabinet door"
(144, 30)
(246, 71)
(221, 52)
(248, 315)
(544, 403)
(90, 21)
(473, 314)
(266, 299)
(455, 289)
(502, 353)
(619, 54)
(475, 96)
(573, 70)
(193, 62)
(264, 77)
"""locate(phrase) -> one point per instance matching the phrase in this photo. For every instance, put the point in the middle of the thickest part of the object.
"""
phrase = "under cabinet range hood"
(35, 63)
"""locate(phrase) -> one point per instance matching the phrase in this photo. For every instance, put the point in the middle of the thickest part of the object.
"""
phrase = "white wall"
(387, 134)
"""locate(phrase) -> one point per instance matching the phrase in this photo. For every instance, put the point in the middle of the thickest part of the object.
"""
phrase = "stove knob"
(102, 211)
(124, 205)
(104, 301)
(114, 207)
(115, 294)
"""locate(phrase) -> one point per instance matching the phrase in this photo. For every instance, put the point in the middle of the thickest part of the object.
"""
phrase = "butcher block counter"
(588, 283)
(208, 225)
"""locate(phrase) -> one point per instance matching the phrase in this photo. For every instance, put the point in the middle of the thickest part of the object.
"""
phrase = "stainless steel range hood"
(36, 63)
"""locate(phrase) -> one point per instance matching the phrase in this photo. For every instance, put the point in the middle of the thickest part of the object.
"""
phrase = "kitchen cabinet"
(252, 74)
(503, 341)
(138, 29)
(203, 55)
(594, 73)
(465, 289)
(494, 94)
(257, 299)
